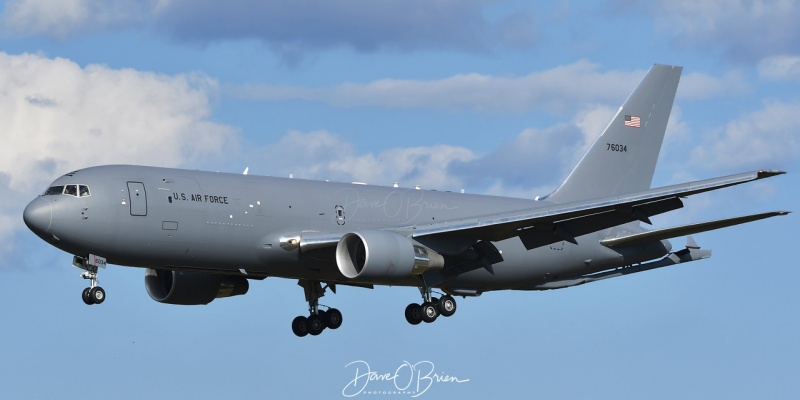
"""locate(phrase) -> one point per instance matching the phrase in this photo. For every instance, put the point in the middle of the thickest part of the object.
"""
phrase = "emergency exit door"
(138, 198)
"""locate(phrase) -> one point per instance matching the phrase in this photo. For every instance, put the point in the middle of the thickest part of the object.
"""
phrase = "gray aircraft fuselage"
(233, 224)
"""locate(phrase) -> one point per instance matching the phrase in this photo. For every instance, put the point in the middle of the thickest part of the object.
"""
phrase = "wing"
(557, 222)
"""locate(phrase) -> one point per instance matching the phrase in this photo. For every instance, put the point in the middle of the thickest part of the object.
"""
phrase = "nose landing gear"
(93, 294)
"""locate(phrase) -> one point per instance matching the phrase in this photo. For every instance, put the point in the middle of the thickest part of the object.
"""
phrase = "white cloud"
(766, 138)
(58, 116)
(780, 67)
(323, 155)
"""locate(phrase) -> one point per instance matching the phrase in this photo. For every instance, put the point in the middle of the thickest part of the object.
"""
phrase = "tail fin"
(623, 158)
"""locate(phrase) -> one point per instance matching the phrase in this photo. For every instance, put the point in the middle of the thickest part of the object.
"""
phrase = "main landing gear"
(93, 294)
(431, 307)
(318, 319)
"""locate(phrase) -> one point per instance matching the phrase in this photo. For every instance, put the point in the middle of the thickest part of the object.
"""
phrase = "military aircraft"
(205, 235)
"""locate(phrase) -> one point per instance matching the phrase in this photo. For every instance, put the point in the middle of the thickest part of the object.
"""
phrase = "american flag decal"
(633, 121)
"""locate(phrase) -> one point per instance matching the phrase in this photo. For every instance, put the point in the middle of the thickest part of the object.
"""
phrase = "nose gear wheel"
(93, 294)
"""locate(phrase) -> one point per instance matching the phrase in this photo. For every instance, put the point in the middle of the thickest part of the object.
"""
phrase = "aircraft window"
(53, 190)
(83, 190)
(71, 190)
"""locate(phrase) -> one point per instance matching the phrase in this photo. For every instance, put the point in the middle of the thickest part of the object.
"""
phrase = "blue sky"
(495, 97)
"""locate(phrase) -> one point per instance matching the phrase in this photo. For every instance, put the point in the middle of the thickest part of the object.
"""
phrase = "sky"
(498, 97)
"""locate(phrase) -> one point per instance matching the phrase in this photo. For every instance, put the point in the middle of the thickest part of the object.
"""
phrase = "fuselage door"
(138, 198)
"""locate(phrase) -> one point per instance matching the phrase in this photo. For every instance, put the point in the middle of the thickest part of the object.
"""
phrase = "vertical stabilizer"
(623, 158)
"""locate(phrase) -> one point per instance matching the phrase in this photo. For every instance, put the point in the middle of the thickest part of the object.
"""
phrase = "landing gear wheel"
(93, 294)
(300, 326)
(315, 325)
(429, 312)
(318, 318)
(447, 306)
(86, 298)
(333, 318)
(414, 314)
(97, 294)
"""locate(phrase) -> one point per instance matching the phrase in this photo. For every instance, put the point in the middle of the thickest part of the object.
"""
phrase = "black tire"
(300, 326)
(429, 312)
(315, 325)
(323, 315)
(414, 314)
(333, 318)
(97, 294)
(447, 306)
(86, 298)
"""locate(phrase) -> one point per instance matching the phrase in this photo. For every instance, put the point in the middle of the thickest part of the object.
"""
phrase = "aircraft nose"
(38, 215)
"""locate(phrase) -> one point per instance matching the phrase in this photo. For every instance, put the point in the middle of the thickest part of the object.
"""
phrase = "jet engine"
(191, 288)
(373, 255)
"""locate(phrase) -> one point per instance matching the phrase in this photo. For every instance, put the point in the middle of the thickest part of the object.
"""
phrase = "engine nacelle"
(381, 255)
(191, 288)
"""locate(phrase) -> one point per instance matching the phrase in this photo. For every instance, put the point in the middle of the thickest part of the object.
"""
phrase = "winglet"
(766, 173)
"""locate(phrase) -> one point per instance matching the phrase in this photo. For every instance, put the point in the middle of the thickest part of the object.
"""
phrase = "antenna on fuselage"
(246, 170)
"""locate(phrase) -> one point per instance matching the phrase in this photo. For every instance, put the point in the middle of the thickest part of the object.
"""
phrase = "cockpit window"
(72, 190)
(54, 190)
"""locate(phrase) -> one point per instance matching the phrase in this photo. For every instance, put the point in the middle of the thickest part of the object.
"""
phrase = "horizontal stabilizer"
(666, 233)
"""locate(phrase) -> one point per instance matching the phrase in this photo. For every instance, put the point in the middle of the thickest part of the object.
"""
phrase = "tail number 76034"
(617, 147)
